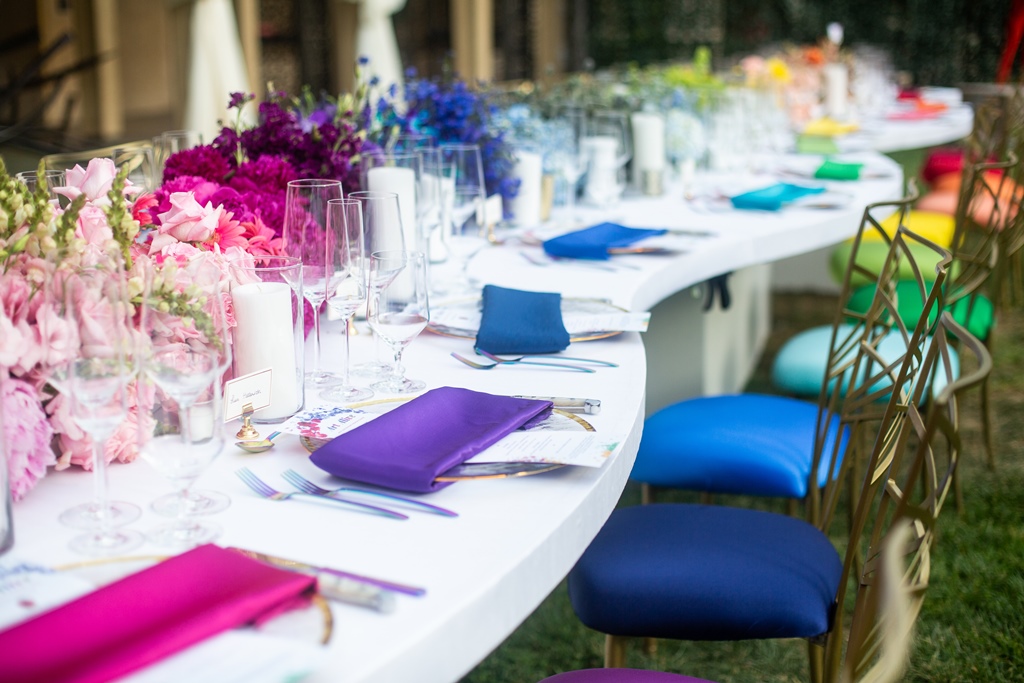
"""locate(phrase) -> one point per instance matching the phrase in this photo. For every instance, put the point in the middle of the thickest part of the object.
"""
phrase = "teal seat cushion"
(799, 367)
(974, 312)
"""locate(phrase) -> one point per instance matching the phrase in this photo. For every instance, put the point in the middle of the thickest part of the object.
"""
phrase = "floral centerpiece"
(41, 247)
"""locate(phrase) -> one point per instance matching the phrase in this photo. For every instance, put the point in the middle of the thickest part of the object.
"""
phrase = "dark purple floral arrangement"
(450, 111)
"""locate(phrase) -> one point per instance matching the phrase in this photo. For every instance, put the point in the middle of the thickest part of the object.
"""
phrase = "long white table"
(515, 539)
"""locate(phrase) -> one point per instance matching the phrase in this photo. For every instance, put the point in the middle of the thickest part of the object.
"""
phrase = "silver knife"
(590, 406)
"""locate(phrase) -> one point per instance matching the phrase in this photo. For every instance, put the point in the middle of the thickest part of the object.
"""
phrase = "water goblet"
(95, 382)
(462, 181)
(346, 283)
(571, 156)
(398, 309)
(305, 231)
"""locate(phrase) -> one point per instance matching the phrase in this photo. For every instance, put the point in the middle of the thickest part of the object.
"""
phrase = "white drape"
(216, 68)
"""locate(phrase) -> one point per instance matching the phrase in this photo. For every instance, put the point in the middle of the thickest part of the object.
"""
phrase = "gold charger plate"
(569, 305)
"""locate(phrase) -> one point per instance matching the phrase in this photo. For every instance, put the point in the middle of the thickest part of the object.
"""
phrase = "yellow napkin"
(829, 127)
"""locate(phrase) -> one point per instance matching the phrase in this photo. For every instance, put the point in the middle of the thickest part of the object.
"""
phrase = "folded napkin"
(838, 170)
(772, 198)
(514, 321)
(407, 448)
(595, 241)
(829, 127)
(816, 144)
(147, 616)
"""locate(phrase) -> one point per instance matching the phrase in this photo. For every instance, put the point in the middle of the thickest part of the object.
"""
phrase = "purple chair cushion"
(620, 676)
(700, 572)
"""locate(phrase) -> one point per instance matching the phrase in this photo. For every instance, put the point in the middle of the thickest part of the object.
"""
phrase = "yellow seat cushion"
(931, 225)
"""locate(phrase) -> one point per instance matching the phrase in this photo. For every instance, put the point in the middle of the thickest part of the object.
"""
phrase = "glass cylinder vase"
(269, 330)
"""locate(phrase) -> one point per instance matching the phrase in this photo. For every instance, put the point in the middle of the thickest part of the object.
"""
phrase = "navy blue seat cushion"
(751, 444)
(620, 676)
(702, 572)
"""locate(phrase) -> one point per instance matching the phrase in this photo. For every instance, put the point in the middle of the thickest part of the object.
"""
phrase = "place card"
(28, 589)
(586, 449)
(325, 422)
(254, 388)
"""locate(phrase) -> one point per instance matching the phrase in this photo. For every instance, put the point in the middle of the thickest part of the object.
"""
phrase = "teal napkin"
(773, 197)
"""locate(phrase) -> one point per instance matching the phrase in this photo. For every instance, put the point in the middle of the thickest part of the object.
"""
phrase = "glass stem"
(100, 485)
(316, 338)
(570, 199)
(399, 373)
(348, 352)
(186, 442)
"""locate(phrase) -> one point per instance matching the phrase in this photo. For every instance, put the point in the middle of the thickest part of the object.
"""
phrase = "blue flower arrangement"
(450, 111)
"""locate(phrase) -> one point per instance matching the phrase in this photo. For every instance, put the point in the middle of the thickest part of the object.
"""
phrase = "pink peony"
(14, 342)
(27, 434)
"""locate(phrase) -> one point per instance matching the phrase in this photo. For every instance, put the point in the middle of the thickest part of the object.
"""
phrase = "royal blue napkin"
(773, 197)
(407, 448)
(594, 242)
(514, 321)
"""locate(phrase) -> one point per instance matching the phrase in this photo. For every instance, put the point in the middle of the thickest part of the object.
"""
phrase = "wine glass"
(96, 384)
(50, 179)
(382, 231)
(609, 149)
(402, 174)
(346, 282)
(430, 214)
(305, 231)
(398, 309)
(141, 165)
(180, 423)
(462, 182)
(571, 156)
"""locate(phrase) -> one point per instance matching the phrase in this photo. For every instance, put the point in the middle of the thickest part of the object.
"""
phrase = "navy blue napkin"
(515, 321)
(772, 198)
(594, 242)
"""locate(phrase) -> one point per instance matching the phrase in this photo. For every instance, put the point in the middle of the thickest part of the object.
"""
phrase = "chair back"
(867, 352)
(909, 476)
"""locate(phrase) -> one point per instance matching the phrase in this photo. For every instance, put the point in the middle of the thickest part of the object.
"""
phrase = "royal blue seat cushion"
(751, 444)
(702, 572)
(620, 676)
(799, 367)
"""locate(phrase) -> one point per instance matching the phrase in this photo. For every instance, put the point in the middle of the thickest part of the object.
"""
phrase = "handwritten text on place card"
(254, 388)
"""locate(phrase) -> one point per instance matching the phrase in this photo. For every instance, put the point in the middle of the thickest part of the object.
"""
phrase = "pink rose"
(94, 182)
(92, 225)
(27, 434)
(186, 221)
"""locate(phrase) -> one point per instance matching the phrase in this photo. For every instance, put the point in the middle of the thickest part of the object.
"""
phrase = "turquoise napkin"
(773, 197)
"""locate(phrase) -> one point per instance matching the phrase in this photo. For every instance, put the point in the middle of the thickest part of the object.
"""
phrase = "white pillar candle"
(525, 206)
(401, 181)
(264, 338)
(837, 85)
(648, 143)
(602, 171)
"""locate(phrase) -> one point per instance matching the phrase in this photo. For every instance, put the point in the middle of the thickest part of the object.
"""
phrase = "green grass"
(972, 624)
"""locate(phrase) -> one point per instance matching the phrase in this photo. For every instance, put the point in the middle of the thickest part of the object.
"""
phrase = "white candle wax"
(264, 338)
(648, 142)
(525, 206)
(837, 78)
(401, 181)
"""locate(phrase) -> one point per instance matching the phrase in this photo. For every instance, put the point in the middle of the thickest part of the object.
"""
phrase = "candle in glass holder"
(264, 338)
(837, 84)
(648, 149)
(525, 206)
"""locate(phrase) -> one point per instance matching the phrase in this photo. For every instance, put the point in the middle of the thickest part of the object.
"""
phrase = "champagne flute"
(346, 282)
(462, 179)
(305, 230)
(382, 231)
(398, 309)
(180, 425)
(571, 157)
(95, 382)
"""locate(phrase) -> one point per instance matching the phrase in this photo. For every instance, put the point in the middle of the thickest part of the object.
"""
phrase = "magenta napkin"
(407, 448)
(147, 616)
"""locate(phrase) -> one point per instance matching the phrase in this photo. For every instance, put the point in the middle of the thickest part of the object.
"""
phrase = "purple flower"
(239, 100)
(204, 161)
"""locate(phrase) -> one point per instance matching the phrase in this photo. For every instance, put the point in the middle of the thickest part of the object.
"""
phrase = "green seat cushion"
(871, 255)
(974, 312)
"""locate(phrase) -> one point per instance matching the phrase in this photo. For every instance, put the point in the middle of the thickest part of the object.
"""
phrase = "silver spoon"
(491, 365)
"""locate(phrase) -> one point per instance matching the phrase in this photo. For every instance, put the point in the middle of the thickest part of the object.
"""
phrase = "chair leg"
(614, 652)
(791, 507)
(650, 646)
(816, 662)
(646, 494)
(706, 498)
(986, 425)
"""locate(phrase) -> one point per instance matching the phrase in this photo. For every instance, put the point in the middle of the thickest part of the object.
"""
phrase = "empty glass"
(462, 185)
(609, 149)
(49, 180)
(141, 165)
(6, 514)
(398, 309)
(346, 282)
(570, 157)
(305, 235)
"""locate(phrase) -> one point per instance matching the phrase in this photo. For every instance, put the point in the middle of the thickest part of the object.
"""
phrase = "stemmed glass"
(49, 180)
(382, 231)
(180, 425)
(401, 173)
(462, 181)
(571, 157)
(346, 282)
(609, 147)
(305, 233)
(141, 165)
(398, 309)
(95, 382)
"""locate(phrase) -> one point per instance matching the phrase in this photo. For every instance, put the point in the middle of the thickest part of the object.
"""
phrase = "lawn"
(972, 625)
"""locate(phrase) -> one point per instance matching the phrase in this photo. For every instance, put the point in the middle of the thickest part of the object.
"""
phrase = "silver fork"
(303, 484)
(526, 358)
(492, 364)
(270, 493)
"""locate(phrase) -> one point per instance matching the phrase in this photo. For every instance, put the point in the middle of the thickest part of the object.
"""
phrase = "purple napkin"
(407, 448)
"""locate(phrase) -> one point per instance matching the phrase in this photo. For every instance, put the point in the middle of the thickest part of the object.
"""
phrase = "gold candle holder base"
(247, 431)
